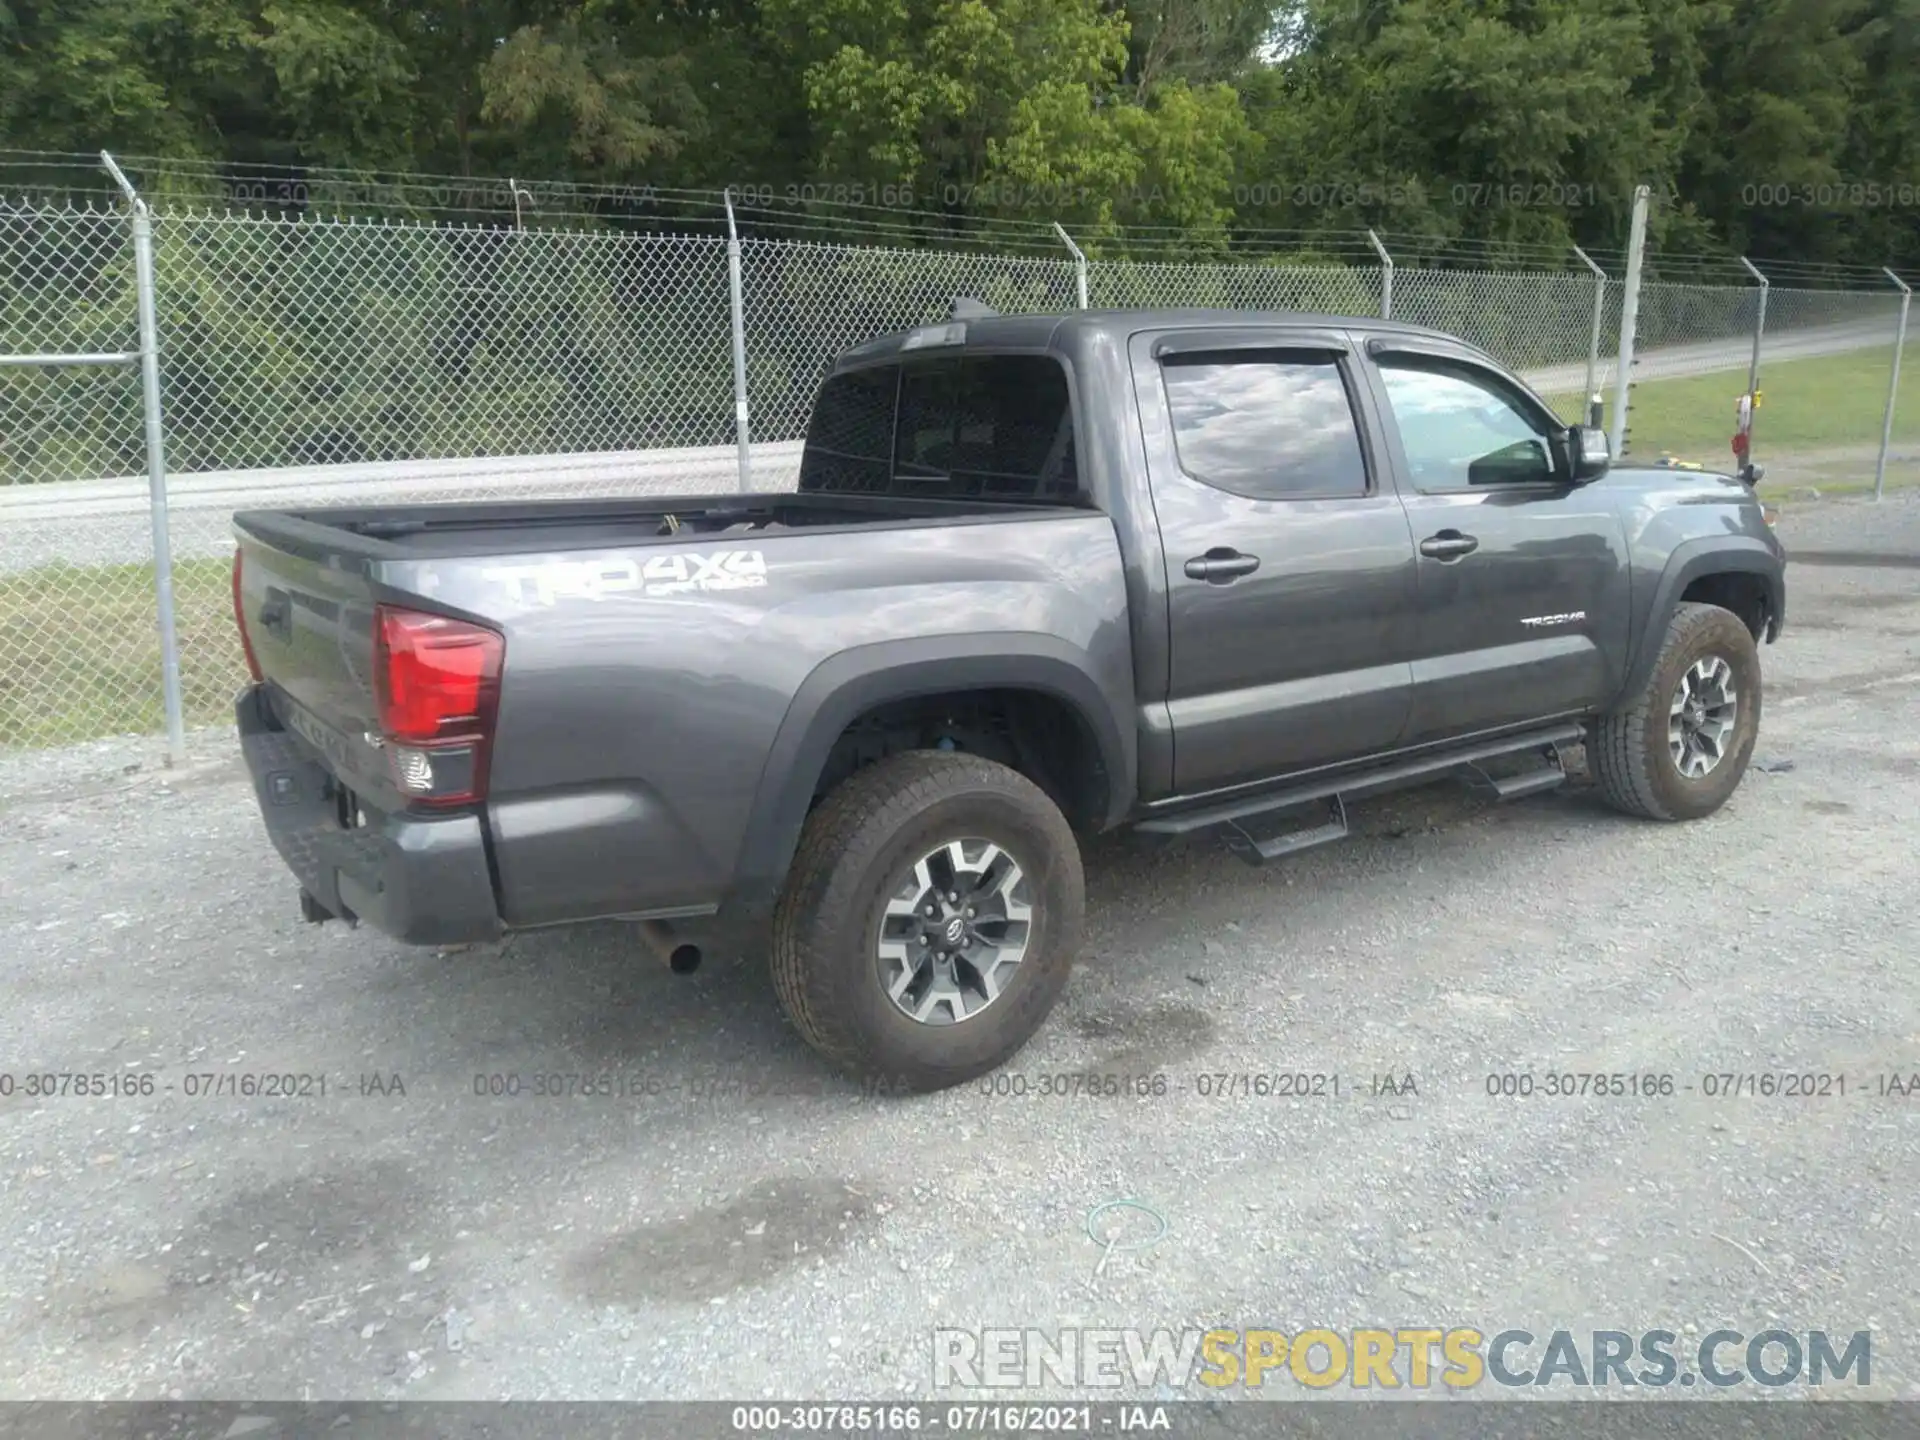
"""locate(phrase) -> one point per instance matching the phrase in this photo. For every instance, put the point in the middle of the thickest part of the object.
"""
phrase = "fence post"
(1079, 263)
(156, 462)
(1386, 276)
(1753, 366)
(1629, 320)
(1590, 397)
(737, 303)
(1893, 386)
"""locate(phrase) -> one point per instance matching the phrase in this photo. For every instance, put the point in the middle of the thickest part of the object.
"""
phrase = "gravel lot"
(805, 1239)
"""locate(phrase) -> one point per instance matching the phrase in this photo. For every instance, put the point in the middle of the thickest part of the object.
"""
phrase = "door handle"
(1449, 545)
(276, 613)
(1221, 566)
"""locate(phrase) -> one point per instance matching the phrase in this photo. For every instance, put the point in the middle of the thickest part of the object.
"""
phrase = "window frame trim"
(1245, 346)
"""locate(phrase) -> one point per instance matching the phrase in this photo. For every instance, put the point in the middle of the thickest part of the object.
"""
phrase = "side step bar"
(1335, 793)
(1256, 851)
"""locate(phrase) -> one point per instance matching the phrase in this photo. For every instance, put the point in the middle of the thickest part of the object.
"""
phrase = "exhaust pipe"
(681, 959)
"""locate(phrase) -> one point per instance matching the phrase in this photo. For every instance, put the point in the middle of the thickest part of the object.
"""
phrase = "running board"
(1337, 791)
(1550, 776)
(1256, 851)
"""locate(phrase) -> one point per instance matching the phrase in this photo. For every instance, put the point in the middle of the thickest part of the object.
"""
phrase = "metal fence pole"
(1893, 386)
(737, 302)
(1079, 263)
(1386, 276)
(1629, 320)
(1590, 397)
(1753, 366)
(156, 463)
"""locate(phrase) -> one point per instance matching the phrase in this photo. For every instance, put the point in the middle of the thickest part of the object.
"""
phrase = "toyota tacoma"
(1042, 576)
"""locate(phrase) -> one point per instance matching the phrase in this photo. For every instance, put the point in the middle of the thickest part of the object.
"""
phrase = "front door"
(1289, 564)
(1522, 575)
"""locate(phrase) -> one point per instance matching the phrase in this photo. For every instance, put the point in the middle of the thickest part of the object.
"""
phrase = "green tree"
(1021, 108)
(1783, 75)
(141, 75)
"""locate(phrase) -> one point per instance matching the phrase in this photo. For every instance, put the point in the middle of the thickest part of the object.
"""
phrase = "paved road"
(103, 522)
(806, 1240)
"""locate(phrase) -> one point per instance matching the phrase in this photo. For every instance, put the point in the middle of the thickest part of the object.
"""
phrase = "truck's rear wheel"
(1679, 749)
(929, 920)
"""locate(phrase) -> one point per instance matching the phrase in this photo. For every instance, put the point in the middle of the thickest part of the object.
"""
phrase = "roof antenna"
(965, 307)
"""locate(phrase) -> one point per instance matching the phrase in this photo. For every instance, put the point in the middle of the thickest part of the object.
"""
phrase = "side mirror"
(1592, 456)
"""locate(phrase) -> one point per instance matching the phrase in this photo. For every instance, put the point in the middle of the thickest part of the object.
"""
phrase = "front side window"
(1459, 432)
(1267, 426)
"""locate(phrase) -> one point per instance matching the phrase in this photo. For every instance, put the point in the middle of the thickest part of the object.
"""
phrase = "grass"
(1825, 403)
(80, 651)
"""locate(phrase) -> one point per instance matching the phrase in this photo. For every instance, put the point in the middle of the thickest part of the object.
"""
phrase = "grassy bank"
(80, 651)
(1830, 402)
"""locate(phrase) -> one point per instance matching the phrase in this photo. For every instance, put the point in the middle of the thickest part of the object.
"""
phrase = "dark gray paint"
(655, 755)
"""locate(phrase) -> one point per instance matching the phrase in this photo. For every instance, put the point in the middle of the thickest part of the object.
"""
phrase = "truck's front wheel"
(929, 920)
(1677, 750)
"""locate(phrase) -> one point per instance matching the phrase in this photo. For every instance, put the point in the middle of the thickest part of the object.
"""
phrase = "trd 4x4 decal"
(681, 573)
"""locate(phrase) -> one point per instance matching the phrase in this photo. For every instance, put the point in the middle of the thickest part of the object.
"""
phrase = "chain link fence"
(1540, 324)
(1825, 370)
(312, 361)
(79, 646)
(1331, 290)
(805, 303)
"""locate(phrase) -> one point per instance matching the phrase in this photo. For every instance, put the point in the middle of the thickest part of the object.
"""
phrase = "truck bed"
(647, 654)
(419, 531)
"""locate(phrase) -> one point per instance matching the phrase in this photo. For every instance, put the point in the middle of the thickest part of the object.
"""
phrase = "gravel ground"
(804, 1239)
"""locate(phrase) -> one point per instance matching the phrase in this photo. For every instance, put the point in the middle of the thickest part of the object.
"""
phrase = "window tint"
(1459, 431)
(997, 426)
(1277, 427)
(850, 436)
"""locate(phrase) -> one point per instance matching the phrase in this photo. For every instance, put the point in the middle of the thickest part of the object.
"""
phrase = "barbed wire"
(836, 214)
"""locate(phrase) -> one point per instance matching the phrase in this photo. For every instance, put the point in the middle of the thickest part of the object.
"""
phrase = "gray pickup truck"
(1043, 575)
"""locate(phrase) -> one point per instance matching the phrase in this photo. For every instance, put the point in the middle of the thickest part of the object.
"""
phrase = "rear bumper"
(422, 881)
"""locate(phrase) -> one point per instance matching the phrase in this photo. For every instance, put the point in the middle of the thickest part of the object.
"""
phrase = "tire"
(857, 858)
(1631, 751)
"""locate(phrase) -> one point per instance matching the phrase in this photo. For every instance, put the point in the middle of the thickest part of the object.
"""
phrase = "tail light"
(240, 620)
(438, 683)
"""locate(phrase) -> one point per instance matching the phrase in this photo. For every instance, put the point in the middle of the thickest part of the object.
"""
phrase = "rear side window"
(996, 426)
(1266, 426)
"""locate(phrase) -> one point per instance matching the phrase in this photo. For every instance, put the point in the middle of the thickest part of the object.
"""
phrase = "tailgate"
(309, 622)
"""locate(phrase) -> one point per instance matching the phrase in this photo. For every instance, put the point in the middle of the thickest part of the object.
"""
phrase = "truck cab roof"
(1070, 330)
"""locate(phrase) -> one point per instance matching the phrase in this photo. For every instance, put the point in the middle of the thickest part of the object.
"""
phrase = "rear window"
(998, 427)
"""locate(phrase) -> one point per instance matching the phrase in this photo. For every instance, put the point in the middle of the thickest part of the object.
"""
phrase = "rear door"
(1522, 575)
(1289, 563)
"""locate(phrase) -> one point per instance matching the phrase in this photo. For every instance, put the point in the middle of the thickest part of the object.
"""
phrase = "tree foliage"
(1777, 126)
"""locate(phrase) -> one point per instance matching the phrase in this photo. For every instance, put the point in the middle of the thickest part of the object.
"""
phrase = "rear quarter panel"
(644, 688)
